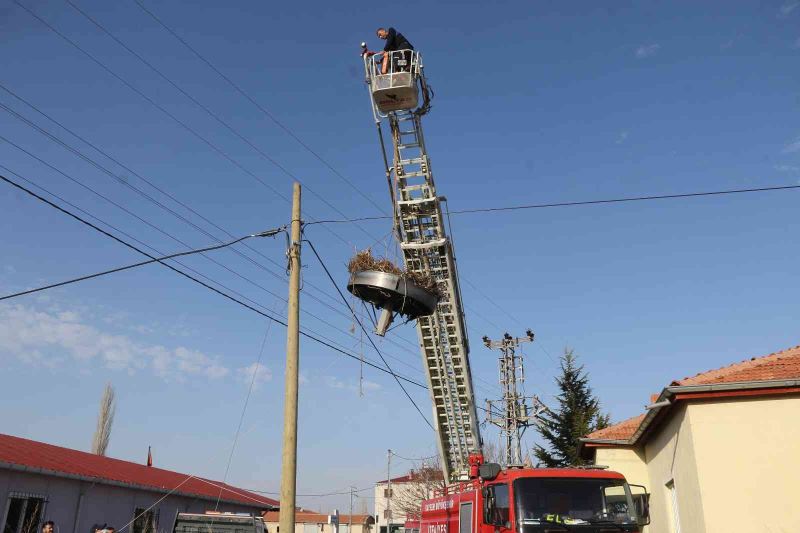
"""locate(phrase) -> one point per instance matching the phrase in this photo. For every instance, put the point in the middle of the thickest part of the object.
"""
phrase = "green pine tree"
(578, 414)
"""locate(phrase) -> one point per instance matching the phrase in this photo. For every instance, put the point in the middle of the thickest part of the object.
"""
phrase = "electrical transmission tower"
(512, 414)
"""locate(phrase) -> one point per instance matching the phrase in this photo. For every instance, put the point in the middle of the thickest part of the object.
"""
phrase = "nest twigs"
(364, 260)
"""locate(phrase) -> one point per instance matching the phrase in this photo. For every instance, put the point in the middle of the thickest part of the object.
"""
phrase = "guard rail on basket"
(397, 89)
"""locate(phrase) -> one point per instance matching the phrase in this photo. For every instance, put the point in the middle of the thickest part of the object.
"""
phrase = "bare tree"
(105, 419)
(493, 452)
(424, 482)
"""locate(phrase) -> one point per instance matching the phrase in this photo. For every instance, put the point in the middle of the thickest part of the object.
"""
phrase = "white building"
(412, 487)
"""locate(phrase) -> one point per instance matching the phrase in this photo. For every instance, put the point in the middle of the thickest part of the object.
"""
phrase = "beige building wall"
(676, 501)
(628, 461)
(748, 453)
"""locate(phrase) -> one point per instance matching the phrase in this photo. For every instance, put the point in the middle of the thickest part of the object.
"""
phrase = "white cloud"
(336, 383)
(52, 338)
(623, 136)
(370, 385)
(788, 7)
(793, 146)
(787, 168)
(262, 374)
(647, 50)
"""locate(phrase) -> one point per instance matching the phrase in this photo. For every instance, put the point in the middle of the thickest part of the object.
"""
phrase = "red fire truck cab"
(534, 500)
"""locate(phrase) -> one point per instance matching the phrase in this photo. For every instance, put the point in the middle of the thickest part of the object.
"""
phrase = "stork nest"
(364, 260)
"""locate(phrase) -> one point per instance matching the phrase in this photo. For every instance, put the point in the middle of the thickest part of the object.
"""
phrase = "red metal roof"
(46, 458)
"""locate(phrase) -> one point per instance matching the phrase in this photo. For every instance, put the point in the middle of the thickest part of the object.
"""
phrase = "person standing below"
(394, 41)
(49, 527)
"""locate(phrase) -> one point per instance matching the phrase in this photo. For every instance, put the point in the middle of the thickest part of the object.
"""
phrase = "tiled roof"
(621, 431)
(307, 517)
(34, 455)
(775, 366)
(783, 365)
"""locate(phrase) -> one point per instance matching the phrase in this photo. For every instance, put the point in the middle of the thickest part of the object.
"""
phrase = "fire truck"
(479, 497)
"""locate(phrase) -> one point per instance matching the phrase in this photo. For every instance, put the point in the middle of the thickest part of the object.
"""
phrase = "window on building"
(24, 513)
(387, 493)
(672, 505)
(144, 521)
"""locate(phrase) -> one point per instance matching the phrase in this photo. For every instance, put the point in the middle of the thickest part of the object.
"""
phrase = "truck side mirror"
(488, 505)
(489, 471)
(641, 502)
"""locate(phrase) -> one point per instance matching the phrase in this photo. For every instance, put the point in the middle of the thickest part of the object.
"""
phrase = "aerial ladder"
(476, 498)
(401, 97)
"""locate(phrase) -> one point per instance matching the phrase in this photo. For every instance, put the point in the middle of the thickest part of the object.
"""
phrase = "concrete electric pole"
(289, 455)
(389, 491)
(512, 414)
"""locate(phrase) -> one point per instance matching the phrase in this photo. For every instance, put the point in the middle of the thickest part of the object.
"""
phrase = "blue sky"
(535, 102)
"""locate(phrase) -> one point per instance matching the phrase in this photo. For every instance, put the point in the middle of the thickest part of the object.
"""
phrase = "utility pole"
(389, 491)
(513, 416)
(350, 517)
(289, 455)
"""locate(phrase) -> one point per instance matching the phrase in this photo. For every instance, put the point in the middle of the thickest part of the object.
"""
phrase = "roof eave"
(667, 399)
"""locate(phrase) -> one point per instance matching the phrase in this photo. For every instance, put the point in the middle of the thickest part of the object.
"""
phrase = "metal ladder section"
(442, 335)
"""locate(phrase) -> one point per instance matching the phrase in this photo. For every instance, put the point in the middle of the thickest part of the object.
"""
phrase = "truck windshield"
(573, 502)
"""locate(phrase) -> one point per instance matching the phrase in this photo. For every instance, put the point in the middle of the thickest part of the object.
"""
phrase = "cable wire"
(268, 233)
(583, 202)
(369, 337)
(244, 304)
(417, 459)
(258, 105)
(206, 109)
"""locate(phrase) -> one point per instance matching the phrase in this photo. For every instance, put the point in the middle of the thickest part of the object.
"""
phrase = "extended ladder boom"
(428, 250)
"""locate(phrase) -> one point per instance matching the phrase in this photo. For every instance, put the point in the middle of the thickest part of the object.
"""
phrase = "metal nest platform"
(393, 293)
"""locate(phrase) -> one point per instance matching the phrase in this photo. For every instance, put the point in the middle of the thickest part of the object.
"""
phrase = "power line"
(268, 233)
(244, 409)
(152, 102)
(258, 106)
(112, 175)
(177, 121)
(243, 297)
(204, 284)
(154, 201)
(143, 178)
(161, 108)
(369, 337)
(580, 203)
(206, 109)
(319, 495)
(159, 204)
(417, 459)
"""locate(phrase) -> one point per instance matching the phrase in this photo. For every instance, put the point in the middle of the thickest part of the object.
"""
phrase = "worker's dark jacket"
(396, 41)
